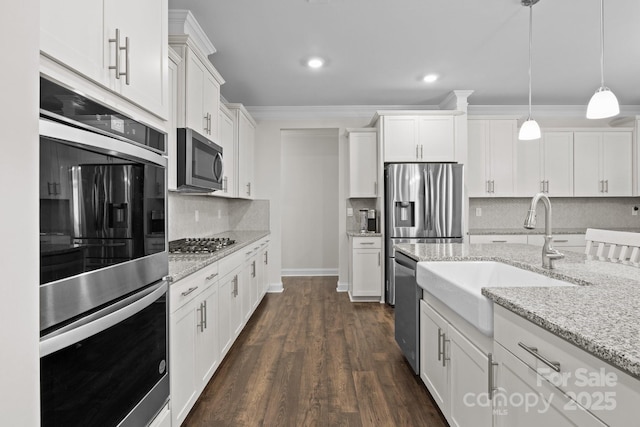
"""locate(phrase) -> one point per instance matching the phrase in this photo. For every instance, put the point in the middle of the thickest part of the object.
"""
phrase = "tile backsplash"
(353, 222)
(214, 215)
(568, 212)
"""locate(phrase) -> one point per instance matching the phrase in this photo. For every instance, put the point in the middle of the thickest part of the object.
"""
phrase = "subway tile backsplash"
(568, 212)
(215, 215)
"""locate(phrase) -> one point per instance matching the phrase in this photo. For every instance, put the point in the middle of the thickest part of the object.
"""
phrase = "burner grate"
(199, 245)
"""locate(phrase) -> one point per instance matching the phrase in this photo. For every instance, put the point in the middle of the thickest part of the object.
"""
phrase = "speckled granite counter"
(602, 316)
(538, 230)
(359, 234)
(182, 265)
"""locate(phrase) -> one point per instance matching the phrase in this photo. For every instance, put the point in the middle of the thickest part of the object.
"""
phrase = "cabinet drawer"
(191, 286)
(559, 241)
(498, 238)
(366, 243)
(231, 261)
(604, 390)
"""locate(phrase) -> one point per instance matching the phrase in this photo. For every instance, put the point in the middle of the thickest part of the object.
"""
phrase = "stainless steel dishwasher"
(407, 309)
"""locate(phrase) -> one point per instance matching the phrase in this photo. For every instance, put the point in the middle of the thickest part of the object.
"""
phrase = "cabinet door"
(558, 163)
(502, 158)
(144, 22)
(184, 389)
(246, 137)
(211, 103)
(469, 383)
(367, 272)
(617, 163)
(225, 139)
(207, 356)
(529, 168)
(400, 139)
(436, 139)
(587, 164)
(433, 369)
(525, 399)
(477, 168)
(363, 164)
(195, 72)
(236, 307)
(226, 297)
(71, 32)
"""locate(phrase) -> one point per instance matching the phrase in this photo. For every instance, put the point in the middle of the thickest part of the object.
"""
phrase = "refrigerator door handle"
(428, 195)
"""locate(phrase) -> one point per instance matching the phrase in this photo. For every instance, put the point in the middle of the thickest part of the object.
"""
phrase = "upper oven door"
(102, 222)
(200, 166)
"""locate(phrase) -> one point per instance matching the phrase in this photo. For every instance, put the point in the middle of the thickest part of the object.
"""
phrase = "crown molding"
(549, 111)
(182, 21)
(327, 111)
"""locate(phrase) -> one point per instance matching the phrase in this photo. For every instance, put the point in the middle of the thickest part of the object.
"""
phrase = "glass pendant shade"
(529, 130)
(603, 104)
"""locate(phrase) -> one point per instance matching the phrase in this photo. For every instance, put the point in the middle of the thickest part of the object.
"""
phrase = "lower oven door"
(108, 368)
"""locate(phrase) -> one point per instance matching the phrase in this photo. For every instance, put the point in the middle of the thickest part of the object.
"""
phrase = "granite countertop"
(601, 316)
(539, 230)
(182, 265)
(365, 234)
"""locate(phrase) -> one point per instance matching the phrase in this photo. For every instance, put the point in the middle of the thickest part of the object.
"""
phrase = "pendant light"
(529, 129)
(603, 103)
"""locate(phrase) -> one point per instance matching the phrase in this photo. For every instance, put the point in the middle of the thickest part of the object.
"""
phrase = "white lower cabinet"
(579, 390)
(455, 371)
(207, 315)
(365, 274)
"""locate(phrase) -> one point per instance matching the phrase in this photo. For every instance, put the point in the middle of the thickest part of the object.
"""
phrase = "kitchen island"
(600, 316)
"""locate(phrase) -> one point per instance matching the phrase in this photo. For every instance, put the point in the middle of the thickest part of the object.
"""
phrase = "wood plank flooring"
(310, 357)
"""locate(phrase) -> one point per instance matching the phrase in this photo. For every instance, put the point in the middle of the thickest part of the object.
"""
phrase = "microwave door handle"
(218, 167)
(101, 320)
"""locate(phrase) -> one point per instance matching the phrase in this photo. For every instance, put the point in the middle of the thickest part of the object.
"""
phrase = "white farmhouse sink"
(458, 284)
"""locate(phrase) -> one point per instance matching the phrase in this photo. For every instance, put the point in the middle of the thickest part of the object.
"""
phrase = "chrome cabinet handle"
(209, 124)
(375, 188)
(606, 185)
(440, 335)
(211, 276)
(266, 257)
(224, 184)
(206, 123)
(487, 186)
(417, 157)
(126, 73)
(546, 186)
(534, 352)
(490, 371)
(378, 258)
(601, 186)
(188, 291)
(421, 151)
(200, 325)
(116, 40)
(561, 241)
(366, 243)
(248, 189)
(444, 349)
(253, 269)
(542, 186)
(498, 241)
(204, 316)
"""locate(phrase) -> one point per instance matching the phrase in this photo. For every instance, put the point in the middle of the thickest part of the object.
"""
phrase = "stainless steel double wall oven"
(103, 257)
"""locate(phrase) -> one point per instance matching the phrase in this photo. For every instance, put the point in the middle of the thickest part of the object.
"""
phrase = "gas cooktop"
(199, 245)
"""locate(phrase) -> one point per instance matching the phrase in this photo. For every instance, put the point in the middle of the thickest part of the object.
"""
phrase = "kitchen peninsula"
(573, 327)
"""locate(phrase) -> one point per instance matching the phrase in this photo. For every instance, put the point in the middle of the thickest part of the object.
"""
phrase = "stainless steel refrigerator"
(424, 204)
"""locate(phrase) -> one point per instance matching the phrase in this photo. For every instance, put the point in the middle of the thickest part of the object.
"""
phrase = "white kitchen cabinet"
(573, 242)
(546, 165)
(418, 138)
(498, 238)
(194, 354)
(365, 276)
(491, 154)
(249, 281)
(583, 387)
(454, 370)
(263, 268)
(603, 164)
(228, 311)
(244, 133)
(202, 96)
(363, 163)
(122, 46)
(229, 158)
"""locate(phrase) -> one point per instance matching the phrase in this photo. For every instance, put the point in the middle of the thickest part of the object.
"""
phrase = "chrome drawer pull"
(534, 352)
(211, 276)
(491, 367)
(188, 291)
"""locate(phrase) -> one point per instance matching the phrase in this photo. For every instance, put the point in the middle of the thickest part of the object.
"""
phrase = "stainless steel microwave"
(199, 163)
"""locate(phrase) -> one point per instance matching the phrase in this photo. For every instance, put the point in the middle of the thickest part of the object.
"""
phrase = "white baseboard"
(275, 288)
(310, 272)
(342, 287)
(363, 299)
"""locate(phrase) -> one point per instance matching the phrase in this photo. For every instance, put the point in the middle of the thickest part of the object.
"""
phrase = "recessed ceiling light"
(315, 63)
(430, 78)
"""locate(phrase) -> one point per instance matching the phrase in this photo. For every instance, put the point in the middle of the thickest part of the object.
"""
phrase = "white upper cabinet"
(245, 134)
(491, 154)
(546, 165)
(603, 163)
(198, 80)
(419, 138)
(120, 45)
(363, 163)
(229, 158)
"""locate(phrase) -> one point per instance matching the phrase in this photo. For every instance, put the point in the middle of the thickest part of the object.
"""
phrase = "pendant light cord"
(530, 54)
(601, 43)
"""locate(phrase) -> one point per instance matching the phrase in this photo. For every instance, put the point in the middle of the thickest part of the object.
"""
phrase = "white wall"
(19, 222)
(268, 164)
(310, 188)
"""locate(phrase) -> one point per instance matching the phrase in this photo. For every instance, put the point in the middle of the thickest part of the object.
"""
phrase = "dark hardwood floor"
(311, 357)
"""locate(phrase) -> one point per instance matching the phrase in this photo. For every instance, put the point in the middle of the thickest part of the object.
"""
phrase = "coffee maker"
(372, 224)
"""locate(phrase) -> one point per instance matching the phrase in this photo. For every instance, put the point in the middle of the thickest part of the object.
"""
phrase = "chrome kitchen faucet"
(549, 254)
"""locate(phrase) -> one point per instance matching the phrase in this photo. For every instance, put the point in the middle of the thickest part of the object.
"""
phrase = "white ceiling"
(377, 51)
